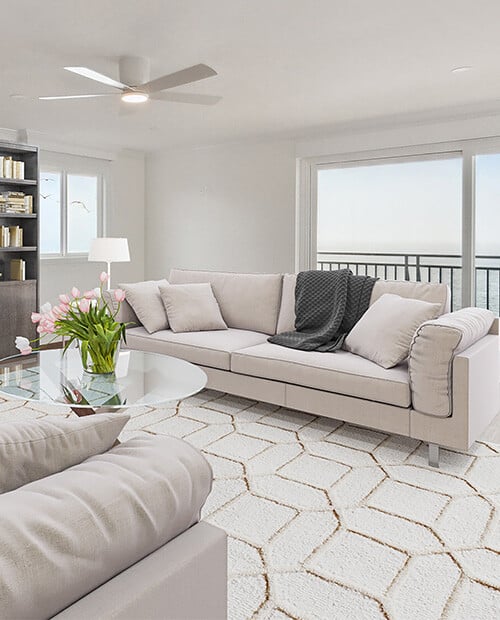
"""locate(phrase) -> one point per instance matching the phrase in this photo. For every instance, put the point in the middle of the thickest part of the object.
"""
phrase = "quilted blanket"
(327, 306)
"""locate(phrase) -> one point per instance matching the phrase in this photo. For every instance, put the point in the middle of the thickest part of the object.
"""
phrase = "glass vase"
(99, 357)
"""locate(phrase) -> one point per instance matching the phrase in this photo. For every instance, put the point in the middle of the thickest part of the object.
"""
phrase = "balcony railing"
(445, 268)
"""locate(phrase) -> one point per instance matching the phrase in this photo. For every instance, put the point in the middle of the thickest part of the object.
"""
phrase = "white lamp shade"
(109, 250)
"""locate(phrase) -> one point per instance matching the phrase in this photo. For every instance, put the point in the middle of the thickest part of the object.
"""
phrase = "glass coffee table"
(140, 379)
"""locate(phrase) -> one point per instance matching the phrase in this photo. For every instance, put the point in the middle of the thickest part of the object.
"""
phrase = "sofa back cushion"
(247, 300)
(433, 293)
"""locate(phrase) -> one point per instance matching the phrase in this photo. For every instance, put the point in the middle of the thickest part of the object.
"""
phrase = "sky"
(406, 207)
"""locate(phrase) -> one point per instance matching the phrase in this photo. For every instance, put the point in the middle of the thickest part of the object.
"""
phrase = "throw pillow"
(30, 450)
(145, 299)
(385, 331)
(191, 307)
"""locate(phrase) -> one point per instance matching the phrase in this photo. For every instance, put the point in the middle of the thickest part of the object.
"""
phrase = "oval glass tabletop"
(141, 378)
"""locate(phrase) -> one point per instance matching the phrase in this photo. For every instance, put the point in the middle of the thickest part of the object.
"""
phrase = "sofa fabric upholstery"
(191, 307)
(145, 300)
(86, 524)
(34, 449)
(432, 293)
(340, 372)
(212, 349)
(384, 333)
(247, 301)
(434, 347)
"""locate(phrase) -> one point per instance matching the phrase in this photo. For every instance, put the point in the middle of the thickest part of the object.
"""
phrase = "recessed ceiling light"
(135, 97)
(461, 69)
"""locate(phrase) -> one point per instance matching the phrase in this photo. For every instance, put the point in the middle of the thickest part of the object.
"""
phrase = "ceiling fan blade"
(184, 76)
(55, 97)
(97, 77)
(186, 98)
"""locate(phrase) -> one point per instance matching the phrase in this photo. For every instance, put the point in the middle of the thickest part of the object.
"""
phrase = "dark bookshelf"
(19, 298)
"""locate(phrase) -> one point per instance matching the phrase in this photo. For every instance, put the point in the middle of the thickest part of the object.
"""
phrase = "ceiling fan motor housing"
(134, 70)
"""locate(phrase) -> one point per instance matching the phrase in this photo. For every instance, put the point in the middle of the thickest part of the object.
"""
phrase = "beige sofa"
(445, 400)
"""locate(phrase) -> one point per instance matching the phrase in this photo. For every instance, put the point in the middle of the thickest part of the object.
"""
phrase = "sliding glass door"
(396, 218)
(487, 207)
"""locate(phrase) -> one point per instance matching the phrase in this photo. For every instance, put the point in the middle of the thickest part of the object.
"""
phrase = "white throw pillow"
(385, 331)
(191, 307)
(34, 449)
(145, 299)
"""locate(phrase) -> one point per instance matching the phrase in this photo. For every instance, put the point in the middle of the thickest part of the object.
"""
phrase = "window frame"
(307, 196)
(81, 166)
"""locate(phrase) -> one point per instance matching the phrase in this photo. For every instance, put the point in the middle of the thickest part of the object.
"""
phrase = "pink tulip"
(35, 317)
(65, 299)
(89, 294)
(84, 305)
(103, 277)
(27, 351)
(56, 311)
(40, 329)
(75, 292)
(119, 295)
(64, 308)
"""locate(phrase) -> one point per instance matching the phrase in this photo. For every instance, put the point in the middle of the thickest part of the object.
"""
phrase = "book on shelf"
(16, 202)
(11, 168)
(4, 237)
(18, 269)
(16, 236)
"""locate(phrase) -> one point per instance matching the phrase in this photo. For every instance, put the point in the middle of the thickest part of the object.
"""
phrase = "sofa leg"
(433, 455)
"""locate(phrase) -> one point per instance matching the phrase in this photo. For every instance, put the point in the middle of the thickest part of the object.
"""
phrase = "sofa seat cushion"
(212, 348)
(341, 372)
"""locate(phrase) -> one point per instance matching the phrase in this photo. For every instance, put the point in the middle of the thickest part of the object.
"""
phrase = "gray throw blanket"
(327, 306)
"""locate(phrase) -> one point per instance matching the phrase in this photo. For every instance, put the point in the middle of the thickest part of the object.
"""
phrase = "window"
(71, 204)
(419, 213)
(396, 219)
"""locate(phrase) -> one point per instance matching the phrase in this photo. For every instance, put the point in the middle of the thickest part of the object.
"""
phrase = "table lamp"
(109, 250)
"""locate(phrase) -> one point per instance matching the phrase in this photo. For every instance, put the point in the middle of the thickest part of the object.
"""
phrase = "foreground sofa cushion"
(191, 307)
(249, 301)
(63, 536)
(432, 351)
(340, 372)
(145, 300)
(33, 449)
(385, 331)
(211, 349)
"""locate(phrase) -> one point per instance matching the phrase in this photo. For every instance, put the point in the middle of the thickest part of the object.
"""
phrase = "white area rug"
(329, 521)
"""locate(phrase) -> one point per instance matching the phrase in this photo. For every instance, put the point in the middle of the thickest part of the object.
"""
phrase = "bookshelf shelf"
(18, 298)
(24, 248)
(24, 216)
(4, 181)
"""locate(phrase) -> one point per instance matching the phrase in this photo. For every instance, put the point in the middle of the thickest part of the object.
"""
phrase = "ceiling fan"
(134, 84)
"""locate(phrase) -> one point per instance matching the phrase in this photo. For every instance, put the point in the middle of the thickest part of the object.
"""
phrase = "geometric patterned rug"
(327, 520)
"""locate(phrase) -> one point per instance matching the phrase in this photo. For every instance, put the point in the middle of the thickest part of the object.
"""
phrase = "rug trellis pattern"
(329, 521)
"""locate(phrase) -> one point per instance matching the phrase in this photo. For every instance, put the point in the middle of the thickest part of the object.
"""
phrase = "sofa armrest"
(432, 353)
(126, 313)
(65, 535)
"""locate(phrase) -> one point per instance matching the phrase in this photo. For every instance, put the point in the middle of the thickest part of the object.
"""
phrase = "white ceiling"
(286, 67)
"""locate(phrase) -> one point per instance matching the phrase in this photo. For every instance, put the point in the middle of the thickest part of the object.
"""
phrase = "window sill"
(76, 258)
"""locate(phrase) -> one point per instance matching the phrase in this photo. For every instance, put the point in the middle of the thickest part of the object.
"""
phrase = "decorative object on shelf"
(85, 319)
(109, 250)
(11, 168)
(18, 269)
(15, 237)
(4, 237)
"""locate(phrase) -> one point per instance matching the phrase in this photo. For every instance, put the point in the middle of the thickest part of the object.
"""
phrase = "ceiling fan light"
(135, 97)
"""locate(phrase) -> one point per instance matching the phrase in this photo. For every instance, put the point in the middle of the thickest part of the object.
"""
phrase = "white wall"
(125, 216)
(229, 207)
